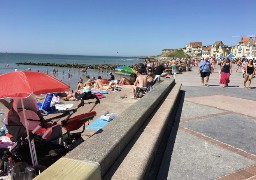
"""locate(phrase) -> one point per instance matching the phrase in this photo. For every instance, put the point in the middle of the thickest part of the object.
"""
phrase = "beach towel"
(100, 91)
(97, 124)
(102, 121)
(99, 95)
(62, 107)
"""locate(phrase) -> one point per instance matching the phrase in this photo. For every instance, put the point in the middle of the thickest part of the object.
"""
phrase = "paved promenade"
(214, 136)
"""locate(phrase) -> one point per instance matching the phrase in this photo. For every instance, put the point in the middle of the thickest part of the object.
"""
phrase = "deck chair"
(46, 107)
(46, 130)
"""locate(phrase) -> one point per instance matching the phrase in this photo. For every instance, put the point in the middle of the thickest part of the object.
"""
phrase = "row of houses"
(246, 47)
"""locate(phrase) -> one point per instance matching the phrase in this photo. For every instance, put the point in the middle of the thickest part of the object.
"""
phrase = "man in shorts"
(205, 71)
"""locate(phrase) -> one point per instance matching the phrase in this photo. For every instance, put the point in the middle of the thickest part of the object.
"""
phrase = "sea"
(8, 64)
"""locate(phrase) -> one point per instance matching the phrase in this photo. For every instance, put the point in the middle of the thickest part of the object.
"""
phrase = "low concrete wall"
(105, 147)
(138, 161)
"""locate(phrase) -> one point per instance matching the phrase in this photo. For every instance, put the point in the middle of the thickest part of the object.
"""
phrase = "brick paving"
(216, 117)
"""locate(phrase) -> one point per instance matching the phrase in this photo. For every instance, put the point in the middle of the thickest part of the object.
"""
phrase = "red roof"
(196, 44)
(244, 39)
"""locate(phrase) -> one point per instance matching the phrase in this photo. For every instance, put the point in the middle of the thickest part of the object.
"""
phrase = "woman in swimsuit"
(249, 73)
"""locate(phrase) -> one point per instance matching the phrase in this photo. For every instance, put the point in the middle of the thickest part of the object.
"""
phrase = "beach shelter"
(21, 84)
(128, 70)
(231, 56)
(119, 68)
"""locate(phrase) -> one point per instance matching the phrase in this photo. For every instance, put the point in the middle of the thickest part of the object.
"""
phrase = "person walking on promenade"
(249, 73)
(239, 64)
(205, 71)
(226, 70)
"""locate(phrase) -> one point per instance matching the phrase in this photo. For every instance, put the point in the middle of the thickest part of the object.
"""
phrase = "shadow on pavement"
(166, 161)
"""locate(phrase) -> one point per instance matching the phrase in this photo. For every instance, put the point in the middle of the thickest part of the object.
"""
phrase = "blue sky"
(129, 27)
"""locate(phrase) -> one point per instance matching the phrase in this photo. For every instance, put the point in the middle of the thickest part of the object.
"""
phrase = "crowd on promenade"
(149, 72)
(246, 66)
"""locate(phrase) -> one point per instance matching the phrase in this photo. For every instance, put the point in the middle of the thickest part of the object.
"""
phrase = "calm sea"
(8, 63)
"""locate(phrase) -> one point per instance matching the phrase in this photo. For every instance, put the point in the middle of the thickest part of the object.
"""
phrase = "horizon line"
(65, 54)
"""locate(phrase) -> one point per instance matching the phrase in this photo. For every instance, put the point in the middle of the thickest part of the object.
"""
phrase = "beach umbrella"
(231, 56)
(24, 83)
(21, 84)
(128, 70)
(221, 57)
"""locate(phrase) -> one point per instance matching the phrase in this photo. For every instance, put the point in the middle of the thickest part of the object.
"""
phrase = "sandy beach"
(112, 103)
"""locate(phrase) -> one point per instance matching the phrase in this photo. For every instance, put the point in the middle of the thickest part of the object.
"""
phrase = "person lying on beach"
(124, 81)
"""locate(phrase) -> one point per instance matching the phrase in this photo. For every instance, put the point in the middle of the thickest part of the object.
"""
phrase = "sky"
(121, 27)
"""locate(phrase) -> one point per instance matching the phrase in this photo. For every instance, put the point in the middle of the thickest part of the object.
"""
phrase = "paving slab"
(192, 110)
(233, 129)
(237, 105)
(194, 158)
(198, 91)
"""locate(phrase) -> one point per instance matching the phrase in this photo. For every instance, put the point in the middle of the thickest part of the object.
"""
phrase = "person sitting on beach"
(150, 80)
(98, 84)
(140, 83)
(93, 80)
(112, 81)
(88, 83)
(80, 86)
(112, 77)
(158, 71)
(170, 74)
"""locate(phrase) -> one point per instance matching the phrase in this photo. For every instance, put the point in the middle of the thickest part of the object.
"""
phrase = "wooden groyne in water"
(80, 66)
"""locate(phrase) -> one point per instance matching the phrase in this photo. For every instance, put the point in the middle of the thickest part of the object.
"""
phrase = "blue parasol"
(231, 56)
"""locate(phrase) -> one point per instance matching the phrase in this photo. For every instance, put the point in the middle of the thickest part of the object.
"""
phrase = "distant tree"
(179, 54)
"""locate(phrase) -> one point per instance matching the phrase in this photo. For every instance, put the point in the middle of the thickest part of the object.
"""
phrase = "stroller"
(50, 143)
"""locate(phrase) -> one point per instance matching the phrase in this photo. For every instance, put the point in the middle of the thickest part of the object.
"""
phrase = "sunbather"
(98, 84)
(80, 86)
(88, 83)
(124, 81)
(140, 83)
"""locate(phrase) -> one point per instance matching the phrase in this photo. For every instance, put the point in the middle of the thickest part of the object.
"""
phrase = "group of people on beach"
(145, 77)
(247, 67)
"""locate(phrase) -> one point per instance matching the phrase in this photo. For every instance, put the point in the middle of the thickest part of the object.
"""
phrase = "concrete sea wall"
(94, 157)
